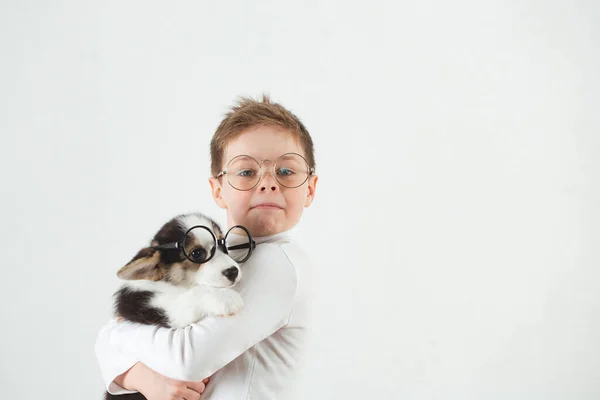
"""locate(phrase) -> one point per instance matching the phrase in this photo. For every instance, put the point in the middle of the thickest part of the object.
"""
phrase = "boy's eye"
(246, 173)
(285, 171)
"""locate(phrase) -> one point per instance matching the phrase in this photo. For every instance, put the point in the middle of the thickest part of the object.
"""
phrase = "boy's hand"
(155, 386)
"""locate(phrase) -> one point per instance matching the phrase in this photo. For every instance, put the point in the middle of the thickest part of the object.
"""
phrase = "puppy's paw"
(231, 301)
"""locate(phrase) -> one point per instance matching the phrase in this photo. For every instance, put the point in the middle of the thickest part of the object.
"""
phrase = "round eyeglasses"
(244, 172)
(199, 244)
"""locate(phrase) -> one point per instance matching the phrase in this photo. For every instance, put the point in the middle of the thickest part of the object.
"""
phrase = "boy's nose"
(268, 183)
(264, 188)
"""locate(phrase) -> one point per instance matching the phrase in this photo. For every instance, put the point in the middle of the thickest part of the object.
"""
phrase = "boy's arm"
(199, 350)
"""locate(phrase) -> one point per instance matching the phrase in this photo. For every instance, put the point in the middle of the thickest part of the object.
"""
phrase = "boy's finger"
(196, 386)
(190, 394)
(206, 380)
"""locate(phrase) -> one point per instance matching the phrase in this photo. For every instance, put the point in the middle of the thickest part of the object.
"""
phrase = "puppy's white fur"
(185, 306)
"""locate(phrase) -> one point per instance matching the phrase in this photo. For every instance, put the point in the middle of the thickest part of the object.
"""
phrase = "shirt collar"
(285, 236)
(281, 237)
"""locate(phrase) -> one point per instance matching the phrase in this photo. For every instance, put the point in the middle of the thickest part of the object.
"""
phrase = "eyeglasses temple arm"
(250, 245)
(166, 246)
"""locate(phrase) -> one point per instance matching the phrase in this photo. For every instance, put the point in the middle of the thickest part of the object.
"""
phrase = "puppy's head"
(171, 265)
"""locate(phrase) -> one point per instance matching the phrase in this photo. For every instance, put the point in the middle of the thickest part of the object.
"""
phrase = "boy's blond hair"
(248, 113)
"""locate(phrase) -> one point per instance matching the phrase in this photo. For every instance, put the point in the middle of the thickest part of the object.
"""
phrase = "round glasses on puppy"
(244, 172)
(199, 244)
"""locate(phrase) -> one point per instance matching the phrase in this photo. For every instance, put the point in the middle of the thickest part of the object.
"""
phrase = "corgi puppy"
(186, 274)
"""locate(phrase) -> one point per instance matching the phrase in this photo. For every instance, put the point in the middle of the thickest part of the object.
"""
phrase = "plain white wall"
(456, 219)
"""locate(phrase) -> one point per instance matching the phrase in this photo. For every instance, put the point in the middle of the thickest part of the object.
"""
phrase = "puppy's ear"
(143, 266)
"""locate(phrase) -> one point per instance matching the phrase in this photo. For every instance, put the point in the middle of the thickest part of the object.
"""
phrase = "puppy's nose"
(230, 273)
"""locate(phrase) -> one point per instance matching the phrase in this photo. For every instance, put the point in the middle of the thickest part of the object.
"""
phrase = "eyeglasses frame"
(220, 243)
(310, 171)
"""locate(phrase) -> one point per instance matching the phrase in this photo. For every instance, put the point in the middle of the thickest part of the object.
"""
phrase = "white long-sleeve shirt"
(253, 355)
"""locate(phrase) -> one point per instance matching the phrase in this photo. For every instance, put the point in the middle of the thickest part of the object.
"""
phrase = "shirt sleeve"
(112, 361)
(197, 351)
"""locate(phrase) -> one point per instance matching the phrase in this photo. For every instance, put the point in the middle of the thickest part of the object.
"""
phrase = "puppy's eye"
(198, 255)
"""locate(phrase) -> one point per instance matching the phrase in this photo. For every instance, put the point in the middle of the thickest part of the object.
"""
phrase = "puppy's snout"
(231, 273)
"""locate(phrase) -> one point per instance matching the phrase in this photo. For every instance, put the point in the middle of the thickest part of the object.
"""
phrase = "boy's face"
(248, 208)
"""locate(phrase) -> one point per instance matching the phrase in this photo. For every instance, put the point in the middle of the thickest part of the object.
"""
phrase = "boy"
(262, 167)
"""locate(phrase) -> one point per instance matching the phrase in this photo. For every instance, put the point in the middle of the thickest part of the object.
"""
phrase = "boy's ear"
(312, 188)
(216, 188)
(144, 266)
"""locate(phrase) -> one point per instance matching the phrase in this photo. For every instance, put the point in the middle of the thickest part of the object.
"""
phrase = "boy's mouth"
(268, 206)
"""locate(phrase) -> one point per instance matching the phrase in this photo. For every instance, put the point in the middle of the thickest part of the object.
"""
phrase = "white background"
(456, 219)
